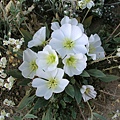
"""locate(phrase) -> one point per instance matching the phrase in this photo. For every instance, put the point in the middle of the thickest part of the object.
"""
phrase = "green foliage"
(98, 116)
(30, 116)
(70, 90)
(96, 73)
(109, 78)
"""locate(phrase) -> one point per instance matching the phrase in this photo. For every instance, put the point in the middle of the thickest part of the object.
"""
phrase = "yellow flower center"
(71, 61)
(33, 65)
(91, 49)
(52, 83)
(87, 1)
(51, 58)
(68, 43)
(87, 91)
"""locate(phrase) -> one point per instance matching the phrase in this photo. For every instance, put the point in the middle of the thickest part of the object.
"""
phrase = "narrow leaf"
(99, 116)
(85, 74)
(78, 95)
(30, 116)
(47, 116)
(41, 102)
(109, 78)
(70, 90)
(96, 73)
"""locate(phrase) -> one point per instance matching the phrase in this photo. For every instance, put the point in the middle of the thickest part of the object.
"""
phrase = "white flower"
(74, 64)
(88, 92)
(29, 66)
(12, 41)
(86, 4)
(3, 113)
(38, 38)
(118, 52)
(8, 102)
(11, 79)
(3, 75)
(116, 115)
(49, 83)
(47, 59)
(2, 117)
(95, 50)
(66, 20)
(69, 39)
(1, 82)
(3, 62)
(8, 85)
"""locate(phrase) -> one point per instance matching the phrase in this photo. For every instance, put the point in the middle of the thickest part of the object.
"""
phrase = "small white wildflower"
(8, 102)
(5, 42)
(1, 82)
(2, 117)
(49, 82)
(3, 113)
(12, 41)
(38, 38)
(86, 4)
(3, 75)
(116, 115)
(88, 92)
(29, 66)
(11, 79)
(47, 59)
(118, 49)
(95, 50)
(3, 62)
(7, 114)
(8, 85)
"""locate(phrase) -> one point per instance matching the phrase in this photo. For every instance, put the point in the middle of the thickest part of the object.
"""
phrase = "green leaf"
(15, 73)
(96, 73)
(27, 35)
(78, 95)
(47, 116)
(88, 21)
(99, 116)
(117, 39)
(70, 90)
(30, 116)
(41, 102)
(24, 82)
(25, 101)
(109, 78)
(74, 114)
(17, 118)
(85, 74)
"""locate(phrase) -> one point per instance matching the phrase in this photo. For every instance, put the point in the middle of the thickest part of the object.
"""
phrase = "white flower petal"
(55, 26)
(48, 94)
(38, 82)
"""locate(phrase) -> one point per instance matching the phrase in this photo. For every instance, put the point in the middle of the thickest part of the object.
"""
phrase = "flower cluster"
(68, 48)
(15, 43)
(85, 4)
(4, 114)
(8, 102)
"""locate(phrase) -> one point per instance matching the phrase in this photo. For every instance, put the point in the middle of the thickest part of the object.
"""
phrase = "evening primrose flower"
(29, 66)
(95, 50)
(3, 62)
(38, 38)
(47, 59)
(66, 20)
(69, 39)
(86, 4)
(74, 64)
(88, 92)
(49, 82)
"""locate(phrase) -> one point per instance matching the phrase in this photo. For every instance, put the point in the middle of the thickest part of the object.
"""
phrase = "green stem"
(85, 15)
(90, 110)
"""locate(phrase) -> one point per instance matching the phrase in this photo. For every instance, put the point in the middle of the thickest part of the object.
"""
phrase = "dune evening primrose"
(88, 92)
(49, 82)
(95, 50)
(38, 38)
(69, 39)
(29, 66)
(74, 64)
(47, 59)
(67, 20)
